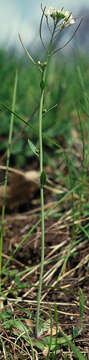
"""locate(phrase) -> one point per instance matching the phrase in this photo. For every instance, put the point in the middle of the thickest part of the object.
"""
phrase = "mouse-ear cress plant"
(56, 21)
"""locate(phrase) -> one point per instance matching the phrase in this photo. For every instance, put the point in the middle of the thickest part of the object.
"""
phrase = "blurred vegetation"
(67, 86)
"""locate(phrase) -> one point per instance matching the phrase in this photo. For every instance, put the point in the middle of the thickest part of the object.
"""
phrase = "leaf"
(75, 332)
(43, 178)
(60, 340)
(39, 344)
(42, 85)
(20, 326)
(33, 148)
(73, 347)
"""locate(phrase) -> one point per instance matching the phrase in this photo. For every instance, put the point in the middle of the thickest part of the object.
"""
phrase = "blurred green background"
(67, 87)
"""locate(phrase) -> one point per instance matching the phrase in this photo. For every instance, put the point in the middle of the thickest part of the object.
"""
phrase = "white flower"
(58, 15)
(65, 13)
(52, 13)
(68, 21)
(71, 22)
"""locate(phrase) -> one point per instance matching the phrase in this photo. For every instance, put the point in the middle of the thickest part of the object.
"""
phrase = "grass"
(6, 176)
(66, 153)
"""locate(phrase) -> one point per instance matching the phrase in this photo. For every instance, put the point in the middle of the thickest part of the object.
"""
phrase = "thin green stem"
(42, 204)
(6, 176)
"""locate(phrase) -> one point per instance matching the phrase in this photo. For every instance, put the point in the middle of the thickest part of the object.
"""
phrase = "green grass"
(65, 91)
(6, 174)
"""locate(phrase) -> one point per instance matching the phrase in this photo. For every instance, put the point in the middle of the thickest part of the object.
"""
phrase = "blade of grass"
(6, 175)
(73, 347)
(11, 111)
(56, 320)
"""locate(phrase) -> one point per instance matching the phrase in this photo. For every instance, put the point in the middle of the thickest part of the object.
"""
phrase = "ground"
(65, 279)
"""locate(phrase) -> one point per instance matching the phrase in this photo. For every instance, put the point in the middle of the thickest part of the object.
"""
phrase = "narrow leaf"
(33, 148)
(43, 178)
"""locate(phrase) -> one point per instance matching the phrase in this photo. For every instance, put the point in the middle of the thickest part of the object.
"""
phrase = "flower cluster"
(58, 15)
